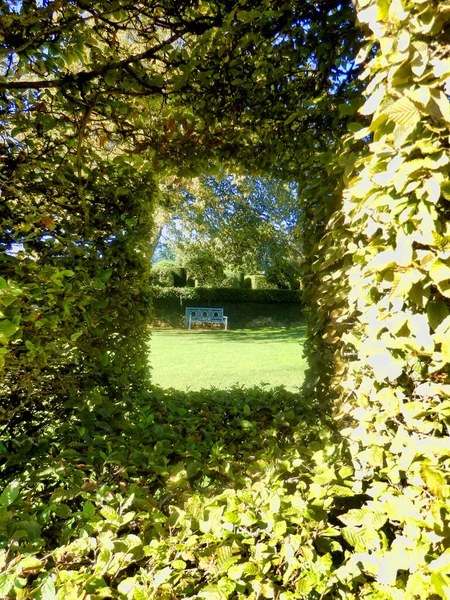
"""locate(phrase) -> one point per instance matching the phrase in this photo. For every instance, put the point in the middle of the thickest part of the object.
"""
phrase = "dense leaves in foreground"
(186, 495)
(244, 493)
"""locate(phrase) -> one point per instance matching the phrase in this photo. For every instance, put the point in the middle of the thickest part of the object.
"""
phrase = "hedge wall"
(203, 296)
(74, 299)
(244, 307)
(380, 277)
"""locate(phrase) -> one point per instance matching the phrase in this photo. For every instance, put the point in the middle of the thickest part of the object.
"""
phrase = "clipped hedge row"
(382, 306)
(204, 296)
(244, 307)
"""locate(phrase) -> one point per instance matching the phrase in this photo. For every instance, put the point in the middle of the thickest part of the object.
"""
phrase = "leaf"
(439, 271)
(29, 562)
(47, 590)
(10, 493)
(161, 577)
(251, 569)
(88, 509)
(193, 469)
(373, 101)
(404, 113)
(383, 260)
(433, 478)
(437, 312)
(397, 11)
(433, 190)
(441, 564)
(109, 514)
(361, 538)
(126, 587)
(6, 584)
(8, 328)
(445, 350)
(280, 528)
(441, 585)
(387, 571)
(212, 592)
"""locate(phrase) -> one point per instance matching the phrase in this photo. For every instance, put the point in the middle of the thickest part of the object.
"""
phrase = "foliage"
(382, 273)
(204, 296)
(94, 99)
(249, 223)
(161, 276)
(73, 292)
(259, 282)
(184, 495)
(216, 495)
(203, 263)
(177, 80)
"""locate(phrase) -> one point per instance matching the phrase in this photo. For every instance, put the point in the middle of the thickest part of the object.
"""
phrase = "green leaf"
(361, 538)
(109, 514)
(441, 564)
(212, 592)
(88, 509)
(441, 585)
(280, 528)
(6, 584)
(161, 577)
(373, 101)
(8, 328)
(193, 469)
(434, 479)
(404, 113)
(126, 587)
(439, 271)
(47, 591)
(10, 493)
(437, 312)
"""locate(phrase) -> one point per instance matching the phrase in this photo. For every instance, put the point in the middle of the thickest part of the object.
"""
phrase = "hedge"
(244, 308)
(380, 329)
(204, 296)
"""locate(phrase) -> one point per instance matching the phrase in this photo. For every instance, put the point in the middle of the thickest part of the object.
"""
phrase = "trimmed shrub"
(162, 276)
(380, 317)
(204, 296)
(245, 308)
(259, 282)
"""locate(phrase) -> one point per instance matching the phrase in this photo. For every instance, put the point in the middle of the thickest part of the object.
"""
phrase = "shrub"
(259, 282)
(204, 296)
(162, 276)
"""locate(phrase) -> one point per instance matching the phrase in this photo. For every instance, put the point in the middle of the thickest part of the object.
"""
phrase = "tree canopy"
(250, 224)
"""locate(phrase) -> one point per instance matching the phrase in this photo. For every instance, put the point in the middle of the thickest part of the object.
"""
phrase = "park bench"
(205, 315)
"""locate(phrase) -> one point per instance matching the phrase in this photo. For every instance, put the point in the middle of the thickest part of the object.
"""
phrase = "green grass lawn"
(195, 359)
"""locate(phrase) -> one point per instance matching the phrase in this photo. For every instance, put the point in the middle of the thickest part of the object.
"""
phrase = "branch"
(87, 75)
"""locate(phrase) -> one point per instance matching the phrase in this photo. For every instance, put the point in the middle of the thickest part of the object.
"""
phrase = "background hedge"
(244, 307)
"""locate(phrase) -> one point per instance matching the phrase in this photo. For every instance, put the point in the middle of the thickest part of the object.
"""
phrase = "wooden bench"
(205, 315)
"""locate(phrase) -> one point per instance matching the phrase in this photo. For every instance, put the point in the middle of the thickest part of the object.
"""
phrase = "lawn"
(201, 358)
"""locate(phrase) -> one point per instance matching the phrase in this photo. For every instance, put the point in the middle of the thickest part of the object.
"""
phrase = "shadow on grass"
(287, 334)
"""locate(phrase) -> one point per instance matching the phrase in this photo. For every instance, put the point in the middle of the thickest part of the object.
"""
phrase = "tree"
(249, 223)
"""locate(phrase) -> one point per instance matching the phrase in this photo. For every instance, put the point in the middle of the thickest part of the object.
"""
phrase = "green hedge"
(204, 296)
(244, 308)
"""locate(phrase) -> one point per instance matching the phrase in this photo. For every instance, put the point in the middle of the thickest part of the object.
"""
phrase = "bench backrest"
(207, 315)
